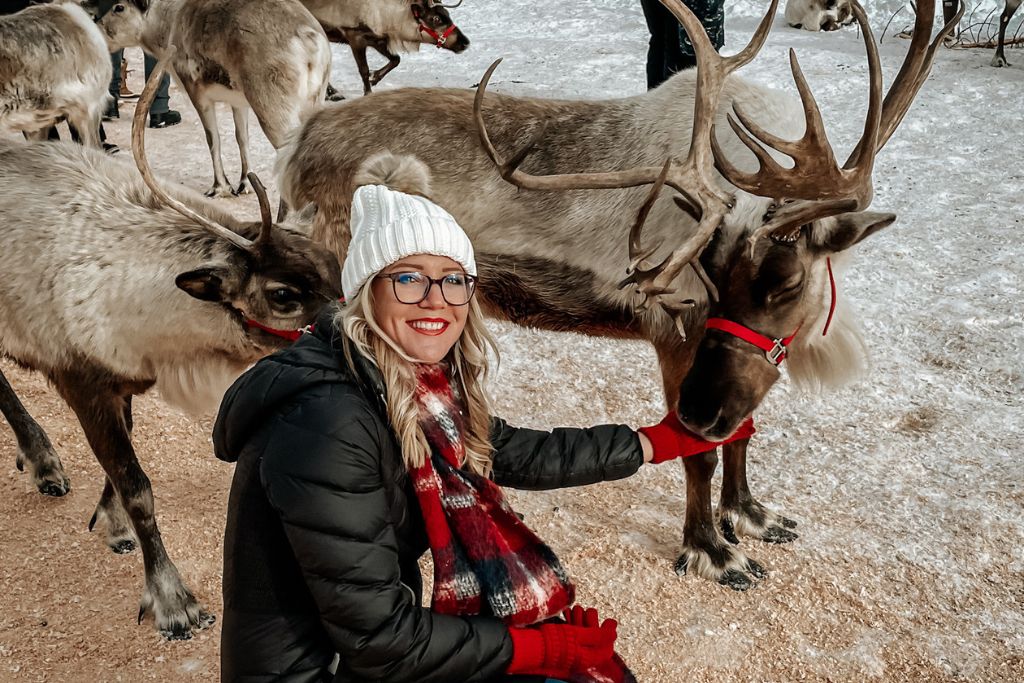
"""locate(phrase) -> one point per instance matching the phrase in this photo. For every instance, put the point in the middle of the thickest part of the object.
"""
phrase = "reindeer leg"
(241, 116)
(705, 551)
(208, 116)
(111, 514)
(359, 54)
(381, 46)
(101, 409)
(34, 446)
(738, 512)
(1004, 20)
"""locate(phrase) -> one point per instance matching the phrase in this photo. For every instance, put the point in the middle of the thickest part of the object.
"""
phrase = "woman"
(370, 440)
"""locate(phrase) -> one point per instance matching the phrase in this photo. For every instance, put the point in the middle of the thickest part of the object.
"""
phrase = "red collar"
(774, 349)
(439, 39)
(290, 335)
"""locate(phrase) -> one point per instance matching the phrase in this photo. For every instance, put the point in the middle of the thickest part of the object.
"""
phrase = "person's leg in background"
(160, 114)
(115, 86)
(663, 54)
(712, 16)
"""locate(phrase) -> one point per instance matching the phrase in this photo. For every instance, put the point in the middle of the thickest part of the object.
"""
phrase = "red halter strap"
(439, 39)
(290, 335)
(774, 349)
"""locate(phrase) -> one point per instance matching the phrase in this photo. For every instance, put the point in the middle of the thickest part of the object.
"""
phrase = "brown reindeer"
(553, 256)
(388, 26)
(1004, 20)
(112, 285)
(267, 55)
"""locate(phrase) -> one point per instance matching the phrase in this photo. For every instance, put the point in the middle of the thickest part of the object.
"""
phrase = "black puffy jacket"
(324, 531)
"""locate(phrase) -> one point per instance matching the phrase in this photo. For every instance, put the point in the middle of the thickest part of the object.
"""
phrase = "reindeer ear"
(847, 229)
(205, 284)
(417, 12)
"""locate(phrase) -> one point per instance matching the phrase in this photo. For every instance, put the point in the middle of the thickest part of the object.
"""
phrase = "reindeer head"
(767, 275)
(775, 298)
(121, 21)
(436, 25)
(274, 279)
(819, 15)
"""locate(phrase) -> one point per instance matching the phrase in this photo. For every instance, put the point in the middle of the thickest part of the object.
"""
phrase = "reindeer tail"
(403, 173)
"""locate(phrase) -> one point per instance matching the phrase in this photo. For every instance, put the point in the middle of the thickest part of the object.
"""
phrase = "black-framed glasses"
(412, 287)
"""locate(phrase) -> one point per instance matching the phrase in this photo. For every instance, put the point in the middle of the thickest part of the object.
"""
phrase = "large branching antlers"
(694, 178)
(139, 152)
(816, 186)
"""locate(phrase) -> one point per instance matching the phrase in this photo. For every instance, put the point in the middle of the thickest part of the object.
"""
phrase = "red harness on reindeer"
(774, 349)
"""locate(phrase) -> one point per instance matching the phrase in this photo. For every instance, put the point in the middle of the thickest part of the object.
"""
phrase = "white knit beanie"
(388, 225)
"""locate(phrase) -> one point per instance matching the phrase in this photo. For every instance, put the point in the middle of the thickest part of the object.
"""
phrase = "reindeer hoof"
(756, 570)
(222, 191)
(736, 580)
(787, 522)
(123, 546)
(681, 565)
(55, 489)
(999, 62)
(729, 531)
(777, 534)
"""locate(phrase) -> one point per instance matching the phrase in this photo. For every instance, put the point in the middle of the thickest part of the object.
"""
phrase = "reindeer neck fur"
(89, 263)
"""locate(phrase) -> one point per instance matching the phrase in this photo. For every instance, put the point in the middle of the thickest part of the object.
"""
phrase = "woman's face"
(425, 331)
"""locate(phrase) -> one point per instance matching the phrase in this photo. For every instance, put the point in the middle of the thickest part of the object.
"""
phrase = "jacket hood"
(315, 358)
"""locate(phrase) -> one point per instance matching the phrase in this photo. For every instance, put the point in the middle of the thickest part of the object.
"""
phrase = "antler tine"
(266, 216)
(450, 6)
(509, 169)
(815, 175)
(637, 254)
(139, 152)
(914, 72)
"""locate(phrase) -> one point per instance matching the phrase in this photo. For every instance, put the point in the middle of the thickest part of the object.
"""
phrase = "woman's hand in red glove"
(561, 650)
(669, 439)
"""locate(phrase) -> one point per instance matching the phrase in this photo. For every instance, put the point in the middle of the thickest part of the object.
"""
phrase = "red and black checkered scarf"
(485, 558)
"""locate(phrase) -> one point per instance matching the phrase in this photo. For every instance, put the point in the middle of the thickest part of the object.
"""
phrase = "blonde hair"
(468, 360)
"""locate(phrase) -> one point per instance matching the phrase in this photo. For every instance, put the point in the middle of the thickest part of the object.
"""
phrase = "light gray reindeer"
(389, 27)
(554, 257)
(54, 65)
(1004, 20)
(819, 15)
(270, 55)
(108, 289)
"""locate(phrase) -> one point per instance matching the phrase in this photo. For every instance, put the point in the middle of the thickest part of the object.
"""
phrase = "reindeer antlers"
(139, 153)
(693, 178)
(816, 187)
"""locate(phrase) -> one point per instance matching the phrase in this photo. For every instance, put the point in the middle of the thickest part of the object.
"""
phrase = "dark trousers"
(160, 101)
(669, 49)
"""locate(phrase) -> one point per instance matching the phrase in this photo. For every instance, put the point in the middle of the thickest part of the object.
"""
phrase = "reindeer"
(552, 257)
(819, 15)
(388, 26)
(110, 289)
(1004, 20)
(54, 65)
(270, 55)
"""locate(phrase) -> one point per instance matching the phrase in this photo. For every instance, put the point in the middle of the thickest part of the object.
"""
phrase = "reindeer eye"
(282, 296)
(436, 20)
(118, 9)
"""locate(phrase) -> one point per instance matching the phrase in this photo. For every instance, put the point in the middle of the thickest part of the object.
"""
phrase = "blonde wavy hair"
(470, 365)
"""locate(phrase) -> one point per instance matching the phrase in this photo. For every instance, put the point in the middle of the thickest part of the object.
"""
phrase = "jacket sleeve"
(321, 473)
(534, 459)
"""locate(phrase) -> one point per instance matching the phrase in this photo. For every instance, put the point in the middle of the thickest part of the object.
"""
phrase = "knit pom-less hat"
(388, 225)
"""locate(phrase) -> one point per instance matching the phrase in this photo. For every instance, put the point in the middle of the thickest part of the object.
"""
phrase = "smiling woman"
(370, 441)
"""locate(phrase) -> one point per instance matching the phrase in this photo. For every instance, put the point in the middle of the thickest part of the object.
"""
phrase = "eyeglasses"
(413, 287)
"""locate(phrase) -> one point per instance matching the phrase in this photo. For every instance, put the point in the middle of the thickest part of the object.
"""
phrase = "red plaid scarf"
(485, 558)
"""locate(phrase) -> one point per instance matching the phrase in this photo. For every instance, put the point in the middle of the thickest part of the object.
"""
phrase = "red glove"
(561, 650)
(672, 440)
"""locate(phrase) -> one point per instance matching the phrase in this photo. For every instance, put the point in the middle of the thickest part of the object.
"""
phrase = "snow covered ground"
(907, 485)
